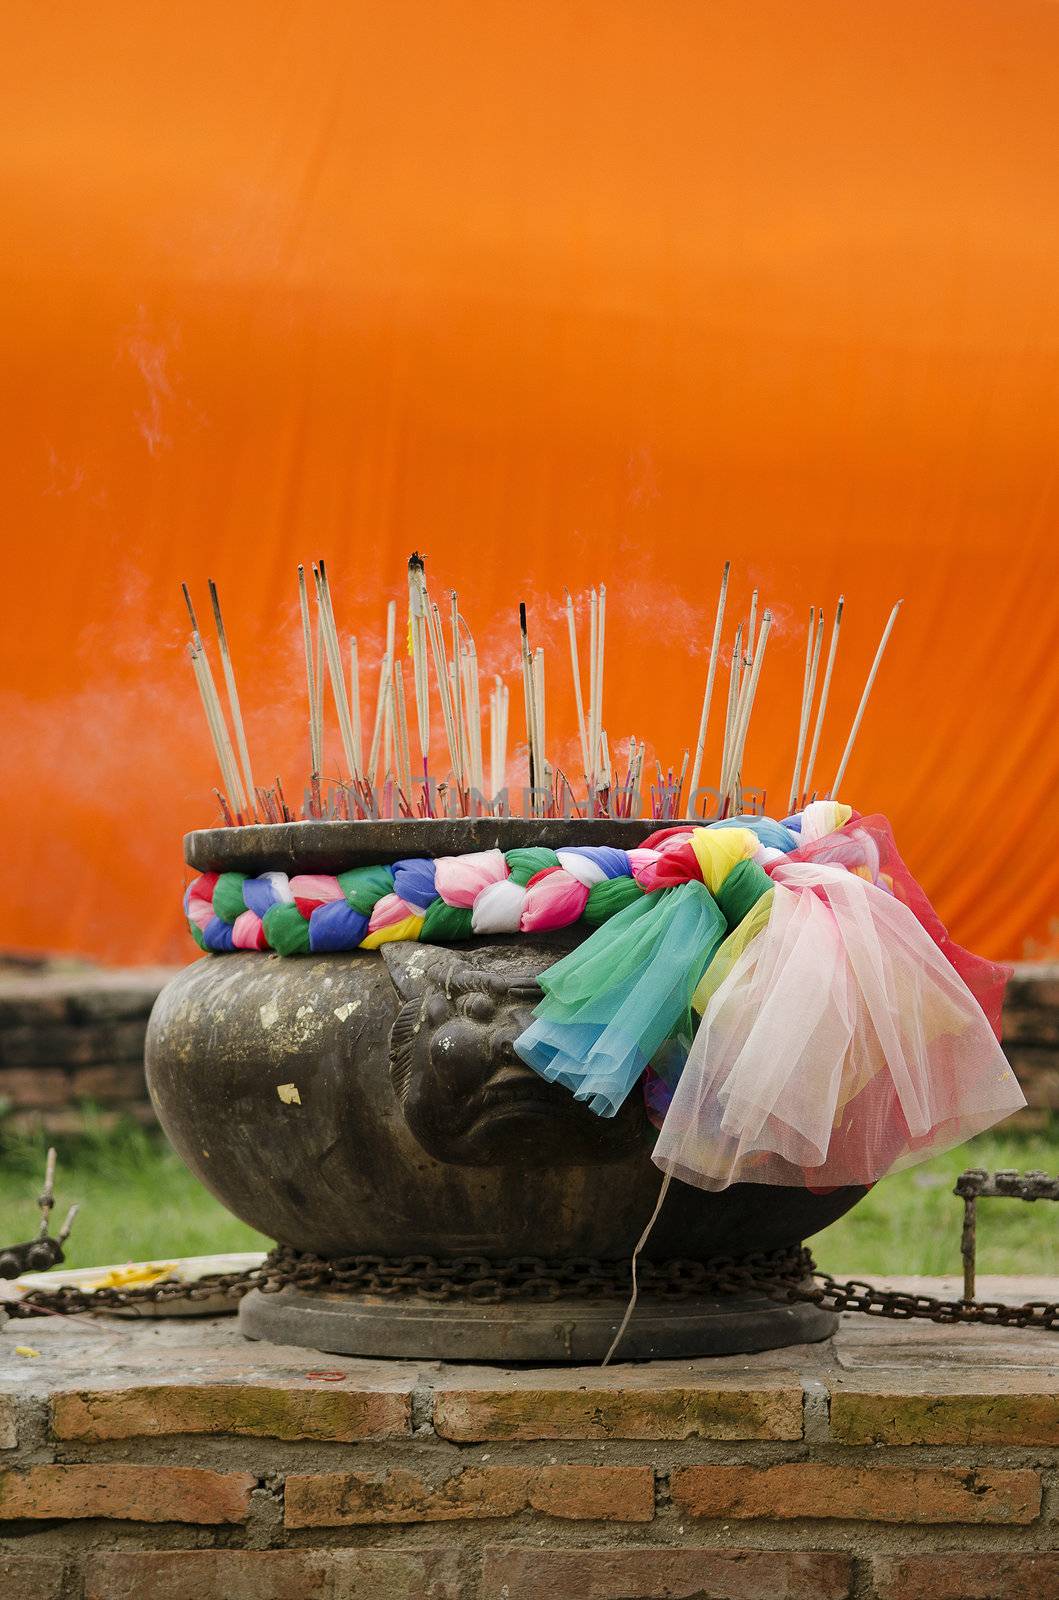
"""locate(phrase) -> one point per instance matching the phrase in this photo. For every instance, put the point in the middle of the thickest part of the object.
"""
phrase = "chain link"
(784, 1275)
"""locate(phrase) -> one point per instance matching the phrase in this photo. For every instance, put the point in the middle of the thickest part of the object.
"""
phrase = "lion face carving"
(463, 1091)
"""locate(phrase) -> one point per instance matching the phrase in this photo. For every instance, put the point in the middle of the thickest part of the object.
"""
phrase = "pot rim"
(322, 846)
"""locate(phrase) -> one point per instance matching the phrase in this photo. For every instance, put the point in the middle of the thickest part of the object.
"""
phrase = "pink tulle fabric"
(461, 879)
(312, 889)
(248, 932)
(554, 899)
(841, 1045)
(389, 910)
(200, 903)
(866, 846)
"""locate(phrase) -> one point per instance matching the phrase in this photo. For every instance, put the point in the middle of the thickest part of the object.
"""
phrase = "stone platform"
(173, 1460)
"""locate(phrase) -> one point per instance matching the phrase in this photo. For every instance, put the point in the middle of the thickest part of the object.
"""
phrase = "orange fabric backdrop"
(558, 291)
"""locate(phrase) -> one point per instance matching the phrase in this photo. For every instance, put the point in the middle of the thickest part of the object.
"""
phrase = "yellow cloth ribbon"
(729, 952)
(718, 850)
(407, 928)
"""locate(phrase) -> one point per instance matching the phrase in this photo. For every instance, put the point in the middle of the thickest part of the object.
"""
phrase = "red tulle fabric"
(866, 846)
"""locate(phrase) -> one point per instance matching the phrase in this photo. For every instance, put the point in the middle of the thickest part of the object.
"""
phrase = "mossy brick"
(638, 1411)
(897, 1417)
(342, 1415)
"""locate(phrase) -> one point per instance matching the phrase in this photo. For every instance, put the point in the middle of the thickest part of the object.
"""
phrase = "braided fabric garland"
(529, 890)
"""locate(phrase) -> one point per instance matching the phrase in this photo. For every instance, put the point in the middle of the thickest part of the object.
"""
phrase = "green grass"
(910, 1223)
(139, 1201)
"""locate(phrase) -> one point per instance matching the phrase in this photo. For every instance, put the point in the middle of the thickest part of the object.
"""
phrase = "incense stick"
(210, 706)
(354, 700)
(840, 774)
(832, 650)
(751, 692)
(457, 691)
(538, 712)
(729, 716)
(530, 706)
(707, 698)
(233, 694)
(575, 668)
(307, 645)
(601, 646)
(333, 649)
(813, 643)
(403, 754)
(418, 636)
(380, 713)
(437, 644)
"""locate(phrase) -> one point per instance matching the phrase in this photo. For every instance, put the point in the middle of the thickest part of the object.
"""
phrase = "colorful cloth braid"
(530, 890)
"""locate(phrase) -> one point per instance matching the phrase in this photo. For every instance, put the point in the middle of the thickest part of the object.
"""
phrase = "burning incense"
(326, 617)
(417, 629)
(233, 694)
(841, 773)
(211, 706)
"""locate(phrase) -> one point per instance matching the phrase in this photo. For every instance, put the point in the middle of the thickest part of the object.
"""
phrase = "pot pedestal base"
(540, 1331)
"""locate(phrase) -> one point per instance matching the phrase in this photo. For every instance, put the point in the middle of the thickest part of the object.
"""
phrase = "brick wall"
(180, 1462)
(67, 1038)
(70, 1038)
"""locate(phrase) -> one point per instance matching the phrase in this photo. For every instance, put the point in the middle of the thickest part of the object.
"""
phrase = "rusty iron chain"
(785, 1275)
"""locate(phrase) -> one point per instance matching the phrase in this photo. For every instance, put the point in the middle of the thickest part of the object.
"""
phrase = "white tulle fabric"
(841, 1045)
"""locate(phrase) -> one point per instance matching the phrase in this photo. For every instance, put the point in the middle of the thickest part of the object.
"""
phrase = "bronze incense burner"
(372, 1104)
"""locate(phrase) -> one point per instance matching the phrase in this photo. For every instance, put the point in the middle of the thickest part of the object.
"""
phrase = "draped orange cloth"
(558, 292)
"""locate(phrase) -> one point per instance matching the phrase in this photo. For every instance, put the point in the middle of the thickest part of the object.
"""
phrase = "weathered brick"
(34, 1086)
(275, 1575)
(32, 999)
(269, 1411)
(30, 1577)
(517, 1572)
(968, 1575)
(117, 995)
(49, 1044)
(1030, 1025)
(334, 1499)
(72, 1044)
(882, 1416)
(126, 1494)
(874, 1494)
(42, 999)
(8, 1422)
(121, 1082)
(1034, 984)
(755, 1411)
